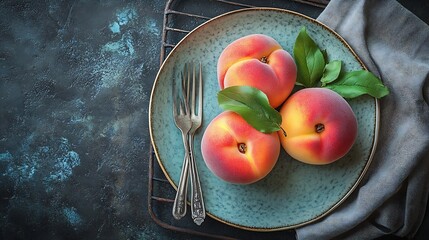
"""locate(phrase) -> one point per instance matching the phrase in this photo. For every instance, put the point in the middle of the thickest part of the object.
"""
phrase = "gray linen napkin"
(391, 199)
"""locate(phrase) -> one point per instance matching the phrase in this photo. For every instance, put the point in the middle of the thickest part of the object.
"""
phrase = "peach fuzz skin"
(320, 125)
(259, 61)
(226, 156)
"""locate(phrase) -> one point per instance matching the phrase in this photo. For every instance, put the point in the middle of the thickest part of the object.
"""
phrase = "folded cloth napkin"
(391, 199)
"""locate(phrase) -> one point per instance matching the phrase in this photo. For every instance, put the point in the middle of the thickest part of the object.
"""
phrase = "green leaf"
(309, 59)
(253, 105)
(356, 83)
(331, 72)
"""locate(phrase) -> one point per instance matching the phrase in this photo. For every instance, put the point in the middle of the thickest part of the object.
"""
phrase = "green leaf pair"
(314, 70)
(253, 105)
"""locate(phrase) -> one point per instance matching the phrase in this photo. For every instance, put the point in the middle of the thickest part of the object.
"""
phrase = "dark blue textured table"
(75, 82)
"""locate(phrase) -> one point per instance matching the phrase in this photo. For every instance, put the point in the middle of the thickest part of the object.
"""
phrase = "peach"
(321, 126)
(259, 61)
(236, 152)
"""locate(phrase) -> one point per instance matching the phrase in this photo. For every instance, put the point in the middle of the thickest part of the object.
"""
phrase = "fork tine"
(185, 88)
(188, 84)
(182, 107)
(193, 90)
(174, 106)
(200, 93)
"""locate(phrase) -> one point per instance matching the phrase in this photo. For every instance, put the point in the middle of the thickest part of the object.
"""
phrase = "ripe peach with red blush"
(236, 152)
(320, 125)
(259, 61)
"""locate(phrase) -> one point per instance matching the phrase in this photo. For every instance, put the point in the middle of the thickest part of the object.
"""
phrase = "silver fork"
(189, 114)
(197, 203)
(182, 119)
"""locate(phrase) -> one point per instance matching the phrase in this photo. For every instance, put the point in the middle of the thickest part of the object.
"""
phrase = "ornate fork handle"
(179, 205)
(197, 204)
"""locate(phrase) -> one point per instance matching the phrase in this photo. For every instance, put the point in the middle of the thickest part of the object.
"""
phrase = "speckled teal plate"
(293, 194)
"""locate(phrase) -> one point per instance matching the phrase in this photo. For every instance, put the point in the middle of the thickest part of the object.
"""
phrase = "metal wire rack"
(180, 17)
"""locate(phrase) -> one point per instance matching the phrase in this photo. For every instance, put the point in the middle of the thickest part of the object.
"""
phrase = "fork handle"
(197, 204)
(179, 205)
